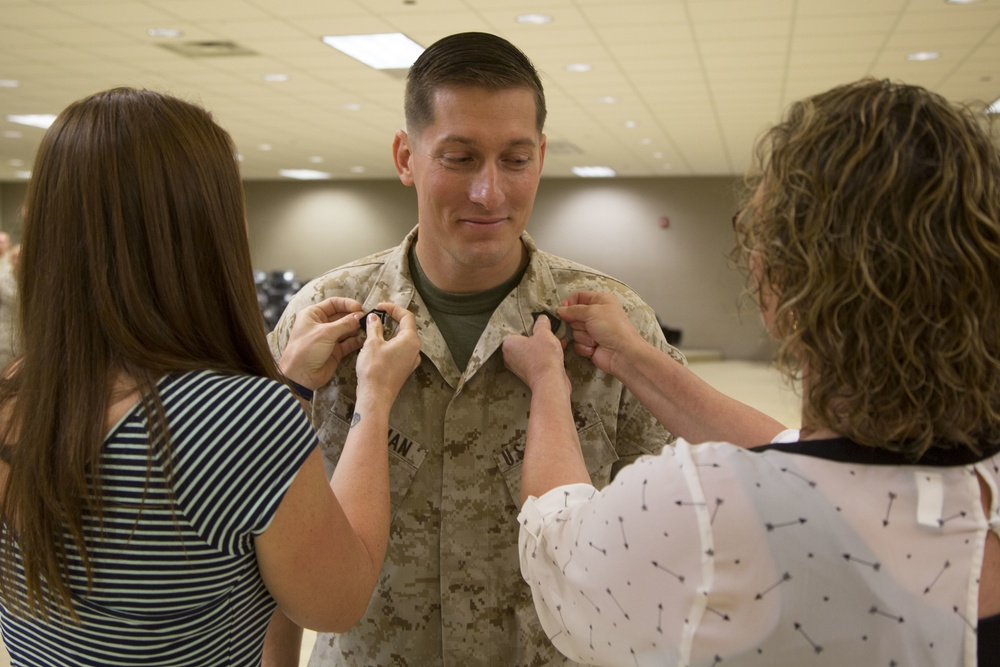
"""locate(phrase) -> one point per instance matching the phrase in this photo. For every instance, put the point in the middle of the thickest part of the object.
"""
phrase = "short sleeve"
(606, 566)
(238, 443)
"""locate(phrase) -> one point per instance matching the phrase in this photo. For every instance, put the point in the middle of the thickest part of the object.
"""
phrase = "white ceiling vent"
(212, 49)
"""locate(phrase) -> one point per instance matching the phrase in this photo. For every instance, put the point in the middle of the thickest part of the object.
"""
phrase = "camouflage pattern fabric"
(450, 592)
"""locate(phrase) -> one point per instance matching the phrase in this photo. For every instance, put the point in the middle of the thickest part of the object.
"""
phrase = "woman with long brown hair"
(160, 487)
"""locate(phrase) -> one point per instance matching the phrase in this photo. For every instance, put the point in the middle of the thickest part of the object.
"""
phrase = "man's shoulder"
(347, 279)
(573, 276)
(353, 280)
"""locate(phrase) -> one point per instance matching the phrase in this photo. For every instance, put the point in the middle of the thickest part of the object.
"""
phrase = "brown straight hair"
(134, 263)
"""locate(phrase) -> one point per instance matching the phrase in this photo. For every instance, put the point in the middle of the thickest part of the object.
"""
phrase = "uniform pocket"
(405, 454)
(598, 453)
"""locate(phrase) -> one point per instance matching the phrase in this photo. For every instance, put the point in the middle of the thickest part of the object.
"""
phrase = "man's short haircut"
(468, 59)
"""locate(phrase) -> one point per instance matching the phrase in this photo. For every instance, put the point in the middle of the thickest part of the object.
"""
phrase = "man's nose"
(486, 188)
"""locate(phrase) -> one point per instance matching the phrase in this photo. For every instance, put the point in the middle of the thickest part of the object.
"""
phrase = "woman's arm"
(552, 455)
(321, 555)
(685, 404)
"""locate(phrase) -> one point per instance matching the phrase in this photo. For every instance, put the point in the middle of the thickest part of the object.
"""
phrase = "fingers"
(346, 326)
(588, 299)
(374, 327)
(542, 324)
(404, 317)
(336, 307)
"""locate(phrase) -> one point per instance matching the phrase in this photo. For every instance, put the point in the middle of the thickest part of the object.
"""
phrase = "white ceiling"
(698, 79)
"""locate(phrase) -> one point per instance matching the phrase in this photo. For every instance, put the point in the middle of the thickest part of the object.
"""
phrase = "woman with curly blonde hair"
(871, 235)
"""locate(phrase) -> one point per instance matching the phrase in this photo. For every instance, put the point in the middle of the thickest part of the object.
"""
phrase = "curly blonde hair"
(873, 215)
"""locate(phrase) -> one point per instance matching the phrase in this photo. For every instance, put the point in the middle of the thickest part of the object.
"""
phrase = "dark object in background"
(673, 336)
(274, 290)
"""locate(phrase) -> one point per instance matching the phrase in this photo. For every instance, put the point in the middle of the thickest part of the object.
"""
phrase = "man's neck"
(456, 279)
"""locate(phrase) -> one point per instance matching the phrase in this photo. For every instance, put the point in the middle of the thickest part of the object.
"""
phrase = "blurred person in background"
(9, 339)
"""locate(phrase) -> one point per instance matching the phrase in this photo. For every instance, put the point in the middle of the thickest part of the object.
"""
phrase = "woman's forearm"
(686, 405)
(361, 478)
(552, 455)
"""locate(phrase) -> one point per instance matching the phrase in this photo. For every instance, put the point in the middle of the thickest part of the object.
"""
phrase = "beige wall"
(611, 225)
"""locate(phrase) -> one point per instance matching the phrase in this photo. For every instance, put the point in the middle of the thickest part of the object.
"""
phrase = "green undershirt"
(461, 318)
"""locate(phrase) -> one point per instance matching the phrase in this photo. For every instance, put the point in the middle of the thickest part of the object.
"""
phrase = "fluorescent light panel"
(304, 174)
(536, 19)
(594, 172)
(995, 107)
(392, 50)
(33, 119)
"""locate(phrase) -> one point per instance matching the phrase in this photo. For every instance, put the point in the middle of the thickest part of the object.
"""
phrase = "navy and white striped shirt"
(176, 579)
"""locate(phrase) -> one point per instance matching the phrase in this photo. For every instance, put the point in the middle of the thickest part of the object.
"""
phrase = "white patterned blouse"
(815, 553)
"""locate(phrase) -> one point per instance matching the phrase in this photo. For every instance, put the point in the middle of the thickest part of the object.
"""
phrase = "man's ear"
(402, 156)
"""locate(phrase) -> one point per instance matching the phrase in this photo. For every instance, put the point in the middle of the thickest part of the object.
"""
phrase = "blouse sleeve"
(617, 575)
(236, 453)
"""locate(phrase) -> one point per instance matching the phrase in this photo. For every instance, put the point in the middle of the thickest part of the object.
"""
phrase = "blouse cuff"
(534, 511)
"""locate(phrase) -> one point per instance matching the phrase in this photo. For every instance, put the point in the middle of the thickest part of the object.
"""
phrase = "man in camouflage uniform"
(450, 592)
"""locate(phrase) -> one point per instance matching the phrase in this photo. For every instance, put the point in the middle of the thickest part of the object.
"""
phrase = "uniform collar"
(514, 316)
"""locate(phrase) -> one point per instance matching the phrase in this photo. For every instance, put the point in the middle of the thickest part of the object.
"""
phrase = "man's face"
(476, 170)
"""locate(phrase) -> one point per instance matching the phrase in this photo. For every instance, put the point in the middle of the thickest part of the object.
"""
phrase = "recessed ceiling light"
(9, 83)
(15, 162)
(667, 165)
(33, 119)
(12, 134)
(658, 155)
(645, 141)
(276, 77)
(579, 67)
(358, 169)
(316, 159)
(594, 172)
(921, 56)
(608, 99)
(170, 33)
(351, 107)
(304, 174)
(536, 19)
(22, 174)
(631, 124)
(392, 50)
(960, 2)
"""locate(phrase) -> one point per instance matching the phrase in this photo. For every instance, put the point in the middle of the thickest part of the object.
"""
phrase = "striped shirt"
(175, 575)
